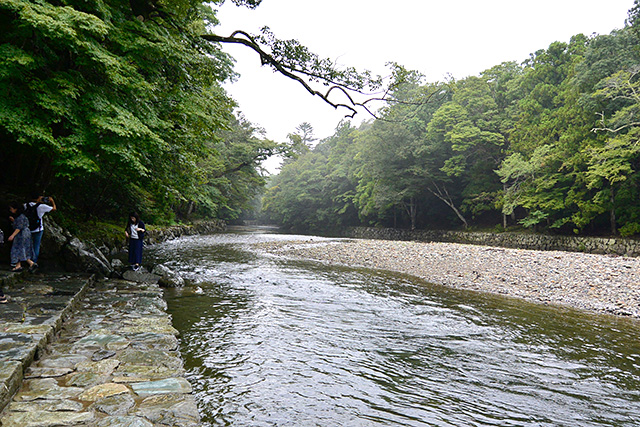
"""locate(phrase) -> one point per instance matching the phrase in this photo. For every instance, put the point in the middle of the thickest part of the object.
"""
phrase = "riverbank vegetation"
(112, 106)
(550, 144)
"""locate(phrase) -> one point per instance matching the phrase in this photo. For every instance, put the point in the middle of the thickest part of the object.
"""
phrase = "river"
(275, 342)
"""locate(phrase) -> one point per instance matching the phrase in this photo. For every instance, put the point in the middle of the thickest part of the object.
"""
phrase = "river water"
(275, 342)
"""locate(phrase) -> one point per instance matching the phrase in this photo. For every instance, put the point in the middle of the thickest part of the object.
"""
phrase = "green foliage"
(116, 106)
(552, 143)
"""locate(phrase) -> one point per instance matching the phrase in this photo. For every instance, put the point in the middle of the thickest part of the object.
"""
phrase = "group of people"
(28, 228)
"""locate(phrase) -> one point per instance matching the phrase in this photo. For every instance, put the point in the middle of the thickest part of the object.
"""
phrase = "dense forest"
(550, 144)
(114, 105)
(118, 105)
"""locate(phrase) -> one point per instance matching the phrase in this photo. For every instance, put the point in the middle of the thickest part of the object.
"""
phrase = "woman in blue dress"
(135, 233)
(22, 248)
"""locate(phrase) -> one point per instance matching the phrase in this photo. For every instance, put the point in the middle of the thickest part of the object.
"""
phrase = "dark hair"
(19, 207)
(35, 195)
(135, 215)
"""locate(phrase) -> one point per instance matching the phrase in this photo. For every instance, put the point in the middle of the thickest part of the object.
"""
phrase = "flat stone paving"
(114, 361)
(35, 312)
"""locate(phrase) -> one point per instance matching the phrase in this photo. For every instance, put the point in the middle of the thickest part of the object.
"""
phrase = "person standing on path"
(3, 297)
(41, 205)
(135, 233)
(22, 248)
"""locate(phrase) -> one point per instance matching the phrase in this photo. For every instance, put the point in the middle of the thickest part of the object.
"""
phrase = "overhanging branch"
(243, 38)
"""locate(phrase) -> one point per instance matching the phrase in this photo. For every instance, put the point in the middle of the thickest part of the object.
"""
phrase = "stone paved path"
(114, 362)
(35, 312)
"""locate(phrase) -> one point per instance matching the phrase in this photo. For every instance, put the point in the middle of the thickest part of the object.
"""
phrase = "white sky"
(457, 37)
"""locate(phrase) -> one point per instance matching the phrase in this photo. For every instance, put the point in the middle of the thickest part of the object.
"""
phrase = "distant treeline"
(550, 144)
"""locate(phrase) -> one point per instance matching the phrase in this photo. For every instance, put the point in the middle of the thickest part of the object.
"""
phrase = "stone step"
(37, 308)
(114, 362)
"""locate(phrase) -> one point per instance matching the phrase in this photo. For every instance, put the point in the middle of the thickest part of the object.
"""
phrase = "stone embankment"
(541, 242)
(599, 283)
(68, 253)
(85, 352)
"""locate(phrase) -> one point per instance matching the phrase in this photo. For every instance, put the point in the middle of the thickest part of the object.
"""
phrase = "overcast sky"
(437, 38)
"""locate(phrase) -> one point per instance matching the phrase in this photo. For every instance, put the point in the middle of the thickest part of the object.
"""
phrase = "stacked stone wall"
(595, 245)
(168, 233)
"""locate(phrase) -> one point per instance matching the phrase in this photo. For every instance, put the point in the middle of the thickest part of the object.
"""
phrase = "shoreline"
(597, 283)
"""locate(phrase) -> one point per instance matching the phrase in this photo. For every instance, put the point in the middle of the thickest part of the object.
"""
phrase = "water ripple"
(287, 343)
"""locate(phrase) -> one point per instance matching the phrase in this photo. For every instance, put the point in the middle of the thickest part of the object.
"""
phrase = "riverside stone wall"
(63, 251)
(163, 234)
(594, 245)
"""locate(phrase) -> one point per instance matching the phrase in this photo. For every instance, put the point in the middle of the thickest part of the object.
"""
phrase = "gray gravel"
(601, 283)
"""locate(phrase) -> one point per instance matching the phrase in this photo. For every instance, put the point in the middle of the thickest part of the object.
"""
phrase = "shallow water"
(274, 342)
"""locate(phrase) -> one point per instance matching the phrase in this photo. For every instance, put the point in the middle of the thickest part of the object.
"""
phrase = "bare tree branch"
(292, 73)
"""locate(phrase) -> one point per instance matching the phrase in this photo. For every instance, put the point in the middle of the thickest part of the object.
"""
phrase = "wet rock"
(84, 379)
(62, 361)
(170, 410)
(47, 389)
(10, 378)
(152, 358)
(103, 390)
(38, 290)
(151, 341)
(103, 367)
(102, 354)
(47, 372)
(166, 386)
(46, 419)
(136, 373)
(123, 422)
(115, 405)
(16, 345)
(140, 276)
(105, 341)
(46, 405)
(168, 277)
(85, 257)
(120, 335)
(157, 324)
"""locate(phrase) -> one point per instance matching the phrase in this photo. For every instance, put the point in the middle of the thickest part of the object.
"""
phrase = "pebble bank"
(599, 283)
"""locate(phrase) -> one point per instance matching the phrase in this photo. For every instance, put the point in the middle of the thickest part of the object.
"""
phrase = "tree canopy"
(118, 105)
(549, 144)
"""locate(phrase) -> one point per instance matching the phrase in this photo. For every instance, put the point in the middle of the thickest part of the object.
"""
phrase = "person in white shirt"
(43, 206)
(134, 231)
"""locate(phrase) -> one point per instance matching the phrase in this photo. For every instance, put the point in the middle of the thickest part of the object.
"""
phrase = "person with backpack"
(34, 211)
(3, 297)
(22, 248)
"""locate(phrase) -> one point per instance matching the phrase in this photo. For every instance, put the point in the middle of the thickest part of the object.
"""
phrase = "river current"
(276, 342)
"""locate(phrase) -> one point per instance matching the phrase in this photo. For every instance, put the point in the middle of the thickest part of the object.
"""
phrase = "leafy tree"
(314, 191)
(109, 96)
(614, 165)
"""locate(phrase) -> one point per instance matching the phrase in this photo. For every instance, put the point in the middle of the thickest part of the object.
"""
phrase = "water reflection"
(269, 342)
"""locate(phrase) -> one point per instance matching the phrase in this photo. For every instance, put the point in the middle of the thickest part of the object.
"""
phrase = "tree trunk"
(412, 211)
(443, 194)
(190, 207)
(612, 214)
(504, 215)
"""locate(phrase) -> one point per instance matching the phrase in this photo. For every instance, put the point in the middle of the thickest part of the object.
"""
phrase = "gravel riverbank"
(601, 283)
